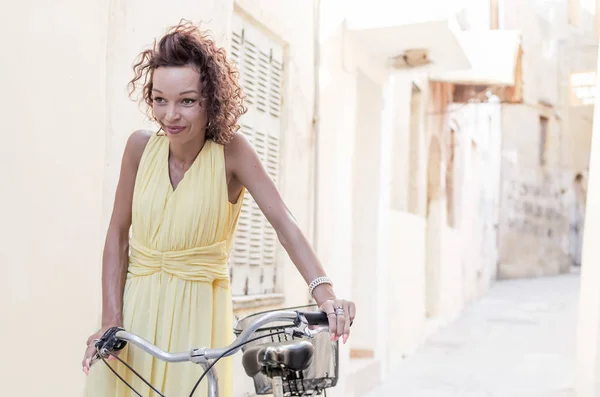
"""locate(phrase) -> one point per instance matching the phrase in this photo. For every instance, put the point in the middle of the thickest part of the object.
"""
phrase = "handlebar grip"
(109, 340)
(315, 318)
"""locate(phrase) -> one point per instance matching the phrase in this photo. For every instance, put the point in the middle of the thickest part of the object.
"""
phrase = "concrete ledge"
(256, 301)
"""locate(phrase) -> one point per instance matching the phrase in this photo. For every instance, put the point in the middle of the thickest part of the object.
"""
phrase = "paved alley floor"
(517, 341)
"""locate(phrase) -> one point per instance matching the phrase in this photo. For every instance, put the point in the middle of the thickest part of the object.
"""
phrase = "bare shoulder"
(238, 143)
(238, 149)
(136, 144)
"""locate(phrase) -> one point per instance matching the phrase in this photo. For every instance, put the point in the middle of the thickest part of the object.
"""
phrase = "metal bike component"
(287, 364)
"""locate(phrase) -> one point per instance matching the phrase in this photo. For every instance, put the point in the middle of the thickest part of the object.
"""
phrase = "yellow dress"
(177, 293)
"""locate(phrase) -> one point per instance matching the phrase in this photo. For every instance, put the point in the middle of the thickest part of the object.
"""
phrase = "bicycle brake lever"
(305, 332)
(95, 358)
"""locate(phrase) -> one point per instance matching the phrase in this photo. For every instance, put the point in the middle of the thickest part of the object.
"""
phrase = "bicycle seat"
(295, 356)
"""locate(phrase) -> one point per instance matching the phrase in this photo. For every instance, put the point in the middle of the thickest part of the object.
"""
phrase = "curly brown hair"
(185, 44)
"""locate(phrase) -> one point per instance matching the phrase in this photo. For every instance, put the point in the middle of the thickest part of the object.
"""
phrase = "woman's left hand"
(340, 313)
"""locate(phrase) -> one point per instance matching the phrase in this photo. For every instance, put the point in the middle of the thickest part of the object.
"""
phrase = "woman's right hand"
(90, 350)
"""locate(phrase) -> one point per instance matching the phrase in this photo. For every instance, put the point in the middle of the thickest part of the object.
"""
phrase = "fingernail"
(345, 339)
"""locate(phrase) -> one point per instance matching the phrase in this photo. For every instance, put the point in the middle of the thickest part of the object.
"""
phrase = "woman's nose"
(172, 113)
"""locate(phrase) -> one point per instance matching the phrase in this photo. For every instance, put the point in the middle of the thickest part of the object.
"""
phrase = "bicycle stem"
(213, 382)
(267, 318)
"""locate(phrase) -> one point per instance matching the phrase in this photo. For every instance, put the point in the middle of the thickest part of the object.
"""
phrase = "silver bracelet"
(318, 281)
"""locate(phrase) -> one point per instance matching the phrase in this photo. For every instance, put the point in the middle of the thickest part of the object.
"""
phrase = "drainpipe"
(315, 118)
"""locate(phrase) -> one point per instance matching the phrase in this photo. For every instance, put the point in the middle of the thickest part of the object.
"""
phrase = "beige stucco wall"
(578, 53)
(533, 215)
(539, 47)
(334, 193)
(476, 183)
(366, 193)
(53, 166)
(423, 262)
(588, 329)
(349, 136)
(406, 284)
(534, 212)
(578, 138)
(402, 246)
(401, 83)
(404, 250)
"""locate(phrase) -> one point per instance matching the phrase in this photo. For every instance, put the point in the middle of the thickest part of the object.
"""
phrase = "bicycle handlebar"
(296, 318)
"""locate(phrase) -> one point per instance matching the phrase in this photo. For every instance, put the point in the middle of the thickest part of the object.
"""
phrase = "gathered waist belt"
(205, 264)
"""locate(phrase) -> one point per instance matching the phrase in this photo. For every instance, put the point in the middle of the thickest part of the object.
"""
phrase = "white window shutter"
(276, 81)
(253, 260)
(262, 80)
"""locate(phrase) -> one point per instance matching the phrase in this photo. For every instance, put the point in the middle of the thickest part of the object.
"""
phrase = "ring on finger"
(339, 311)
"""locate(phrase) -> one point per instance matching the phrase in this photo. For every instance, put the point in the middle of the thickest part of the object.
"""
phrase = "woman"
(181, 191)
(577, 219)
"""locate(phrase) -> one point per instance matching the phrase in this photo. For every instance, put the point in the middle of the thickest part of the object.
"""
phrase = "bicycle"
(285, 366)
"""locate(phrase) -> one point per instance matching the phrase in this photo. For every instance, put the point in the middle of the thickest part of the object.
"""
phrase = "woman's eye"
(158, 100)
(189, 101)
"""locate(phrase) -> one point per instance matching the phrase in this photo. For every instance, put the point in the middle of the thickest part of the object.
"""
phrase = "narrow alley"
(517, 341)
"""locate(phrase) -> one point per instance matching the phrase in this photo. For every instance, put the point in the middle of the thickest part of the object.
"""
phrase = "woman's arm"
(116, 247)
(244, 165)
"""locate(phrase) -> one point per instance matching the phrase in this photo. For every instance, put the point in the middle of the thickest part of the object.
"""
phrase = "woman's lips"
(174, 130)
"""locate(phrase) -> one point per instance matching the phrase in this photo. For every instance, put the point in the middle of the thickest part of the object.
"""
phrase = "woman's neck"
(183, 154)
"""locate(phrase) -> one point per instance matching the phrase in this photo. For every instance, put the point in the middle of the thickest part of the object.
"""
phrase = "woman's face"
(178, 103)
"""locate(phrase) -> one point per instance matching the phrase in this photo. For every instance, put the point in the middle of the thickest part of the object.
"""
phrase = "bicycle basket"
(322, 372)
